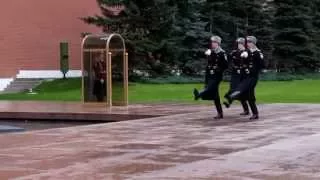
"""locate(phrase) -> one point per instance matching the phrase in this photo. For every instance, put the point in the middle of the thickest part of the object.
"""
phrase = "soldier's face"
(214, 45)
(241, 46)
(251, 45)
(101, 57)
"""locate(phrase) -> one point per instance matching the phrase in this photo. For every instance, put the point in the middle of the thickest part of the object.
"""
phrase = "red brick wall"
(31, 30)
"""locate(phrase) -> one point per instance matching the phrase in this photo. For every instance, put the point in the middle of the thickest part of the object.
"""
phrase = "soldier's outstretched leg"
(245, 108)
(234, 83)
(229, 100)
(235, 95)
(196, 94)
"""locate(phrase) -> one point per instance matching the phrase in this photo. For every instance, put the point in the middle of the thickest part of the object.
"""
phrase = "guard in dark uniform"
(236, 62)
(217, 64)
(252, 65)
(99, 87)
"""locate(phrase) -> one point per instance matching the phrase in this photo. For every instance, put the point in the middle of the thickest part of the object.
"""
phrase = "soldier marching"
(237, 74)
(246, 63)
(216, 65)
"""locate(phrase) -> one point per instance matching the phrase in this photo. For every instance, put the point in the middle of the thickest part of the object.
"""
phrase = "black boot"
(226, 104)
(229, 100)
(254, 110)
(244, 113)
(219, 116)
(254, 116)
(219, 108)
(196, 94)
(245, 108)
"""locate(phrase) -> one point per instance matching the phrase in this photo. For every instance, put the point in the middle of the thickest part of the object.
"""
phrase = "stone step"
(7, 129)
(27, 79)
(21, 85)
(19, 88)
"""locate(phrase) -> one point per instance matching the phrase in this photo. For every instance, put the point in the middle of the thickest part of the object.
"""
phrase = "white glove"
(101, 81)
(244, 54)
(208, 52)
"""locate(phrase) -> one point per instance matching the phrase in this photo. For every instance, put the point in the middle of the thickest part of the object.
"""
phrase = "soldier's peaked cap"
(216, 39)
(240, 40)
(252, 39)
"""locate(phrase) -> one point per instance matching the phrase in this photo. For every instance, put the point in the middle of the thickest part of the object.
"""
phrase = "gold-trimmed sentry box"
(104, 63)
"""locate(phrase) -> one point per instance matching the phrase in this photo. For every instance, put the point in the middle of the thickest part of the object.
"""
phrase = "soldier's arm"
(260, 60)
(223, 61)
(206, 72)
(206, 78)
(230, 60)
(257, 63)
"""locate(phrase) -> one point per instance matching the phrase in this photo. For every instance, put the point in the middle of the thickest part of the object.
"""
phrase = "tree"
(220, 21)
(254, 18)
(188, 40)
(316, 31)
(293, 44)
(143, 23)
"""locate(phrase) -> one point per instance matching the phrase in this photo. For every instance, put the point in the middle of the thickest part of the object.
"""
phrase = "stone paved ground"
(283, 144)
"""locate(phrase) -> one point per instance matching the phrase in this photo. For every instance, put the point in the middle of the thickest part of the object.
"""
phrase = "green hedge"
(171, 80)
(273, 76)
(268, 76)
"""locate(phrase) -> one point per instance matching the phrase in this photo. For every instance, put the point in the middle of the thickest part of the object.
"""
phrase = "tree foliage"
(165, 34)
